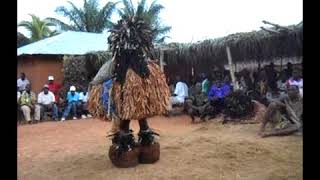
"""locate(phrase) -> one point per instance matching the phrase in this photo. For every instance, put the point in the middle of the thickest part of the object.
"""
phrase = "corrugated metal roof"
(67, 43)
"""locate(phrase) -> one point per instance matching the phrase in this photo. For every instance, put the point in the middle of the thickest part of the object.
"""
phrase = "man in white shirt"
(83, 98)
(180, 92)
(46, 102)
(22, 82)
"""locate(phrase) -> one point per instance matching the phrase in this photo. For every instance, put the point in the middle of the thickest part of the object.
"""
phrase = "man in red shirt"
(54, 88)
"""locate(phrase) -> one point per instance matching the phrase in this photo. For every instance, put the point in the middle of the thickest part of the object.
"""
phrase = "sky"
(193, 20)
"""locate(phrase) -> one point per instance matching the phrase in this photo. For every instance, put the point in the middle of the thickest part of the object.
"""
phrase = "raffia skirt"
(142, 98)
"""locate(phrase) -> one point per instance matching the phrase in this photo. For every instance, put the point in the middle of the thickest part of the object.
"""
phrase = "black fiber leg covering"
(124, 126)
(143, 123)
(123, 152)
(146, 135)
(124, 139)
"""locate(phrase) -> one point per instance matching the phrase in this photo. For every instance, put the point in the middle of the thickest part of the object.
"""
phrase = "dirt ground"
(77, 149)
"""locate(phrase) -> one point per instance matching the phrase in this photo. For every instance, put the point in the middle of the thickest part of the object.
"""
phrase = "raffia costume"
(139, 91)
(142, 97)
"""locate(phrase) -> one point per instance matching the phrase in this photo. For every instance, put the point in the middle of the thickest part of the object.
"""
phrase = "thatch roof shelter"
(256, 46)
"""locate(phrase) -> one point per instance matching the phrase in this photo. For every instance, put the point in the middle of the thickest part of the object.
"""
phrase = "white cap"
(72, 88)
(50, 78)
(46, 86)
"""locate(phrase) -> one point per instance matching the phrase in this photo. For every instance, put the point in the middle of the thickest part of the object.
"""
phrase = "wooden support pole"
(277, 25)
(270, 30)
(233, 78)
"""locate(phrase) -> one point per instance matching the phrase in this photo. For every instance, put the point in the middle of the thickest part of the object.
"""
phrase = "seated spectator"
(247, 79)
(198, 97)
(27, 103)
(285, 115)
(18, 106)
(54, 88)
(219, 90)
(46, 103)
(18, 95)
(192, 88)
(281, 83)
(197, 104)
(288, 71)
(22, 82)
(242, 84)
(296, 80)
(274, 95)
(83, 100)
(205, 86)
(180, 92)
(217, 94)
(271, 76)
(72, 103)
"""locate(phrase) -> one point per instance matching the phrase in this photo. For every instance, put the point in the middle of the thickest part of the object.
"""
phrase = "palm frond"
(161, 40)
(38, 28)
(89, 18)
(75, 15)
(141, 7)
(63, 26)
(128, 8)
(163, 30)
(105, 14)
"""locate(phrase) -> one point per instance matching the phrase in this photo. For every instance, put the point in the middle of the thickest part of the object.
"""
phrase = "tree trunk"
(161, 59)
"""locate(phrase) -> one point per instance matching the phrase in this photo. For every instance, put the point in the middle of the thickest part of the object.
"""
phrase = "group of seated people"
(49, 102)
(201, 99)
(206, 97)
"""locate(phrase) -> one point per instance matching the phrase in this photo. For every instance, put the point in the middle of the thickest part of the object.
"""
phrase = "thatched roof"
(256, 46)
(249, 46)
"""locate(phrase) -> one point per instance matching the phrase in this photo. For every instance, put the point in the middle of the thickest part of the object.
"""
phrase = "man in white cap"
(46, 102)
(54, 88)
(73, 103)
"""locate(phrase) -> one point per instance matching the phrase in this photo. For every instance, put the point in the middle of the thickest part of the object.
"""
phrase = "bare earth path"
(78, 149)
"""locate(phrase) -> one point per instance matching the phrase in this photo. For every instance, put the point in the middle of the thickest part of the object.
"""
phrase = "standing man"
(22, 82)
(73, 103)
(46, 102)
(27, 103)
(54, 88)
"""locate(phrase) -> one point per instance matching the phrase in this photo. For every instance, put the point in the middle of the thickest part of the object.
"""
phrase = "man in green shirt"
(27, 102)
(205, 84)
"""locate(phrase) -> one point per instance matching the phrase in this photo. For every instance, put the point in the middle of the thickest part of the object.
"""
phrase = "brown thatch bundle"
(94, 103)
(142, 97)
(79, 70)
(74, 73)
